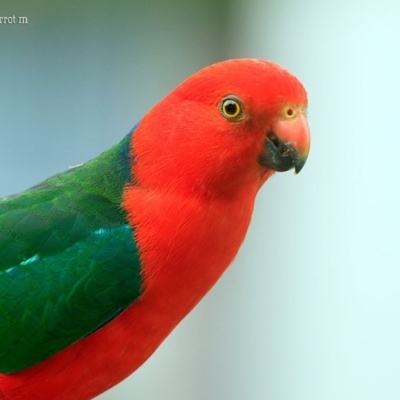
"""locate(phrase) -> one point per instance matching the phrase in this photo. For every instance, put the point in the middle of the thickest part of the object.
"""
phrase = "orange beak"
(287, 144)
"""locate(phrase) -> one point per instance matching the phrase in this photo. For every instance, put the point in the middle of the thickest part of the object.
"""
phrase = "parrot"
(99, 263)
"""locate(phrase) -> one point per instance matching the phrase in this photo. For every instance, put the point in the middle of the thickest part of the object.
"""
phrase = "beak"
(287, 145)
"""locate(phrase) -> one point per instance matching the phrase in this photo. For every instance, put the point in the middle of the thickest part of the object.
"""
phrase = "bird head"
(229, 125)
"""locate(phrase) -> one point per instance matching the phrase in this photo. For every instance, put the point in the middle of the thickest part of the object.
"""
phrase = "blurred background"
(310, 308)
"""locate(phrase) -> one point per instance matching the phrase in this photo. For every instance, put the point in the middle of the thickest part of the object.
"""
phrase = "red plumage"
(197, 173)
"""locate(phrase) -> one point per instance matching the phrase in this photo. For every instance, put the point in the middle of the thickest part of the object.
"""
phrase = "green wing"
(68, 261)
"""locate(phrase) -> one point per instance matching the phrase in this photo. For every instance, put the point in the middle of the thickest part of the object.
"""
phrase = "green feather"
(68, 260)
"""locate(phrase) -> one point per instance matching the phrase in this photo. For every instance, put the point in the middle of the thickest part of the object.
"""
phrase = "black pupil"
(231, 107)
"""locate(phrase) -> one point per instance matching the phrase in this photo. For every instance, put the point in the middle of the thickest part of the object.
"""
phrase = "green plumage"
(68, 261)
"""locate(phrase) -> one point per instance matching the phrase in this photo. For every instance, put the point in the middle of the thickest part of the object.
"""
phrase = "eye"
(231, 108)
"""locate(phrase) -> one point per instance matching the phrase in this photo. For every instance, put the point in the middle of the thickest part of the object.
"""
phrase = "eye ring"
(231, 108)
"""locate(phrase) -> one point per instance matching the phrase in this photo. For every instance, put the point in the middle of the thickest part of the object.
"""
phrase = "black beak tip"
(299, 163)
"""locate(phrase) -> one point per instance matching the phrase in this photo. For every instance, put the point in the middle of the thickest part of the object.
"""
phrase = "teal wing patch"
(68, 265)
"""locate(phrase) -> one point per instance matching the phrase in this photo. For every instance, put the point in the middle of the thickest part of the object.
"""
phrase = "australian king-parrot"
(99, 263)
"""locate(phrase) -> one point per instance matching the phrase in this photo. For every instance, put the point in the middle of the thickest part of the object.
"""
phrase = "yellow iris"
(231, 108)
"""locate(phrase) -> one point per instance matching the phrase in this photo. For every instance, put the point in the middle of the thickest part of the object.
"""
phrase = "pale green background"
(310, 308)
